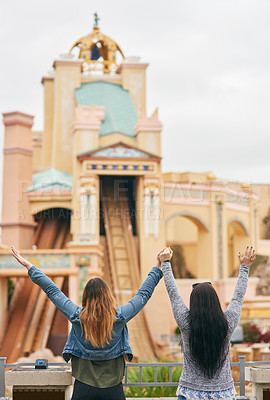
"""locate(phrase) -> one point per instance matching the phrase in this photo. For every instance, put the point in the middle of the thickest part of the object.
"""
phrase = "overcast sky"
(209, 71)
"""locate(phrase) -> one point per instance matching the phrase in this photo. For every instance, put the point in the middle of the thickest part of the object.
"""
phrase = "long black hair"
(208, 329)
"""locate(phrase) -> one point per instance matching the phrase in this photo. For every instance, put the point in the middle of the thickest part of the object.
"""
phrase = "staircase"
(124, 267)
(30, 316)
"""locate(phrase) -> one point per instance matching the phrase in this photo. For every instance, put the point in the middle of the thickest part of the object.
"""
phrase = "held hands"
(158, 263)
(248, 257)
(166, 250)
(20, 259)
(165, 254)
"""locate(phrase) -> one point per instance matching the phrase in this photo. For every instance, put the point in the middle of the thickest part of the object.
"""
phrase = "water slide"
(29, 320)
(30, 316)
(122, 257)
(53, 232)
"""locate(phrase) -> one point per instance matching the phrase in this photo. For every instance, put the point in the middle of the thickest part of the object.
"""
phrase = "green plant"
(148, 375)
(177, 331)
(179, 336)
(10, 289)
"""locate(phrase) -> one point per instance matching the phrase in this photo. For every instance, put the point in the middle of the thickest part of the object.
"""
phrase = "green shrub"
(10, 289)
(179, 335)
(177, 331)
(148, 375)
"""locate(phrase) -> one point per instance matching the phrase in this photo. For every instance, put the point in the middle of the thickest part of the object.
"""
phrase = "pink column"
(17, 222)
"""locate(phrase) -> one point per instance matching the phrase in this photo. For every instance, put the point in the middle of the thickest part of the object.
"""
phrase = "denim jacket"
(76, 344)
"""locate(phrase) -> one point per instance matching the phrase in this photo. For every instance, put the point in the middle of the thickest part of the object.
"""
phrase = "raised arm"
(234, 309)
(140, 299)
(59, 299)
(180, 310)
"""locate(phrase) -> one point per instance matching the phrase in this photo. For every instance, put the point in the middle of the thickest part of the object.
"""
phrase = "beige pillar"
(133, 74)
(256, 225)
(85, 200)
(3, 299)
(252, 222)
(215, 231)
(88, 225)
(49, 91)
(224, 269)
(17, 222)
(73, 281)
(85, 128)
(222, 236)
(67, 78)
(151, 233)
(95, 267)
(148, 131)
(150, 221)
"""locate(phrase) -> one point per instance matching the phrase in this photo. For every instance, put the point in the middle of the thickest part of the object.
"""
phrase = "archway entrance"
(121, 257)
(53, 229)
(117, 200)
(237, 240)
(185, 234)
(121, 187)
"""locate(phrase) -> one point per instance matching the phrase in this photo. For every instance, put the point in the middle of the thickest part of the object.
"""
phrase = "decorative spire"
(96, 19)
(99, 52)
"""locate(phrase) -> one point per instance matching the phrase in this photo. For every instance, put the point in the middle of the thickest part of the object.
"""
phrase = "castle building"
(91, 199)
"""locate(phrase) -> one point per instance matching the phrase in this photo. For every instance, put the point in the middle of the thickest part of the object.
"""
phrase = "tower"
(94, 197)
(91, 198)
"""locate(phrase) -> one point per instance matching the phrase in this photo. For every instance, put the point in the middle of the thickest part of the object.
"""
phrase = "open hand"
(20, 259)
(248, 257)
(166, 254)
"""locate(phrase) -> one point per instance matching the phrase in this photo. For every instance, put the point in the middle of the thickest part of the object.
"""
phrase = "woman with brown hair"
(99, 338)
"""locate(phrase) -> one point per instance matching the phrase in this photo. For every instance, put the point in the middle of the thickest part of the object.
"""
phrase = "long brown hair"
(98, 313)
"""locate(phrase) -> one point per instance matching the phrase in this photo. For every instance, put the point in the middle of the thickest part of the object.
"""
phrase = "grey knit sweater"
(192, 377)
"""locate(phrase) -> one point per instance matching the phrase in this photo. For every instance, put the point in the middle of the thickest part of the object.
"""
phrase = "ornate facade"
(91, 199)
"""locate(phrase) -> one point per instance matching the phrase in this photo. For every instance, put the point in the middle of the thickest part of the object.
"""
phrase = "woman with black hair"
(206, 331)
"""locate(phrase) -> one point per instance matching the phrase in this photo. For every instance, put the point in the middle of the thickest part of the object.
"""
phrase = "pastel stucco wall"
(17, 222)
(225, 289)
(263, 191)
(67, 78)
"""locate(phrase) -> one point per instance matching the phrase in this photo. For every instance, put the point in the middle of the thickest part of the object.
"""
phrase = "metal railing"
(241, 365)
